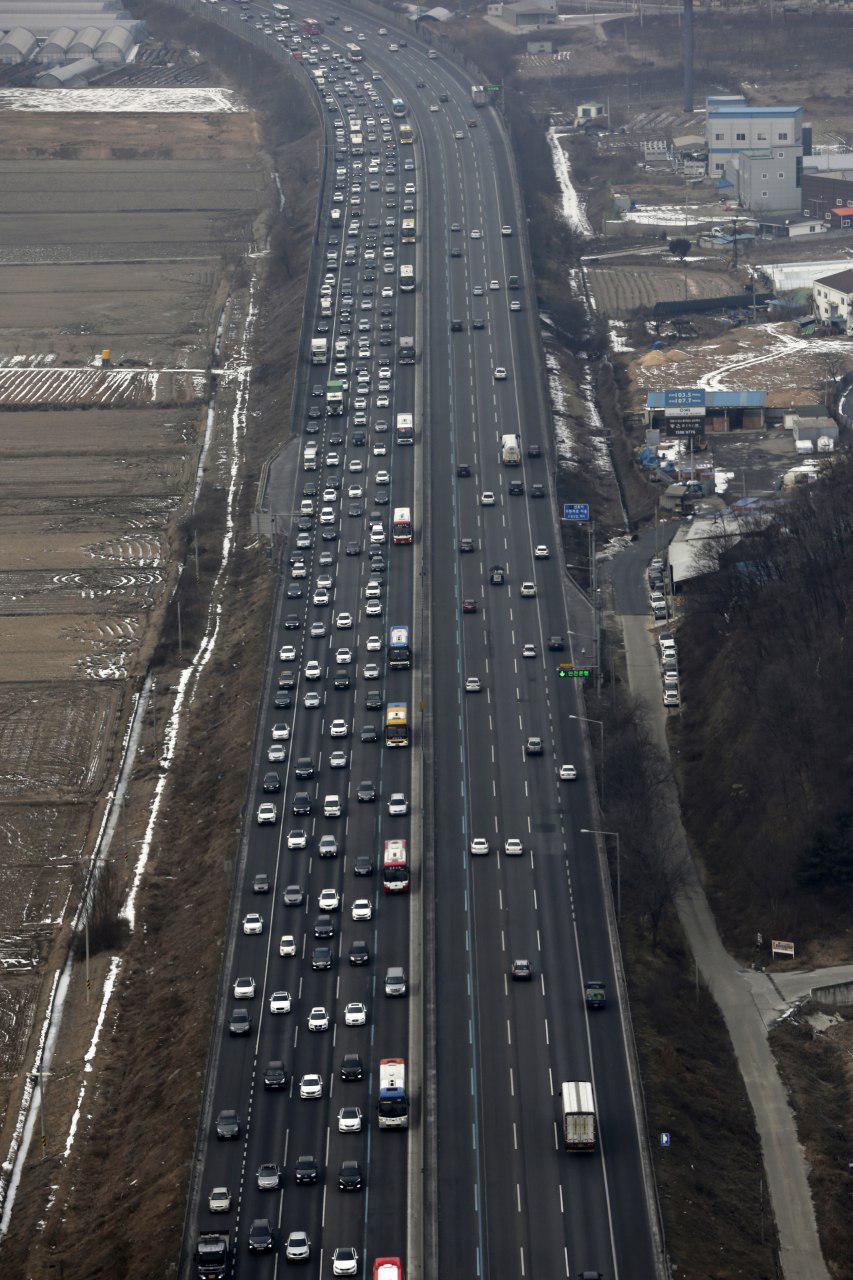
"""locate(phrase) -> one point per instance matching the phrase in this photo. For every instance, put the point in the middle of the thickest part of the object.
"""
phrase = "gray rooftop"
(55, 77)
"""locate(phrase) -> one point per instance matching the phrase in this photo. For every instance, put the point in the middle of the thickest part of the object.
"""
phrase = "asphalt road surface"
(506, 1199)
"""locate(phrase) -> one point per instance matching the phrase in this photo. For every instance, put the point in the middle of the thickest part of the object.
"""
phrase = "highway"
(507, 1200)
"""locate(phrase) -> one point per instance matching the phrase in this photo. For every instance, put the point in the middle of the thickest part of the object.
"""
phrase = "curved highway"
(505, 1199)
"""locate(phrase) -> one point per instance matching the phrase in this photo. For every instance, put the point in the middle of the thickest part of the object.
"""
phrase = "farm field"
(117, 231)
(620, 290)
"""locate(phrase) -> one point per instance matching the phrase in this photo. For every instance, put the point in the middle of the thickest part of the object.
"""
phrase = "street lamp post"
(600, 724)
(588, 831)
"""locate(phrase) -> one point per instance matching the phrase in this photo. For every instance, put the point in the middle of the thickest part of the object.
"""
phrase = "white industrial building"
(74, 75)
(56, 46)
(17, 46)
(833, 299)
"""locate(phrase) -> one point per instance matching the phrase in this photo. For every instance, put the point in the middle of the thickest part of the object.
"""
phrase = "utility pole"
(154, 712)
(180, 634)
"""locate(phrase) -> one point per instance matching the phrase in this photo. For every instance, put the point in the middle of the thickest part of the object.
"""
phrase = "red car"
(469, 606)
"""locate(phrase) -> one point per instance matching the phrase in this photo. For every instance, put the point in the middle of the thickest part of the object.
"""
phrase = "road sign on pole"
(576, 511)
(664, 1139)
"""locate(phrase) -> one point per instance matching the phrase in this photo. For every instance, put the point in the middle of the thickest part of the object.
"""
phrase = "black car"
(305, 1170)
(304, 767)
(537, 491)
(463, 470)
(239, 1024)
(381, 499)
(315, 412)
(373, 701)
(522, 971)
(516, 488)
(334, 482)
(359, 439)
(329, 535)
(317, 389)
(377, 562)
(292, 622)
(366, 792)
(477, 322)
(466, 546)
(342, 680)
(349, 1178)
(556, 644)
(359, 953)
(369, 733)
(323, 326)
(301, 804)
(455, 325)
(496, 575)
(228, 1122)
(294, 591)
(260, 1236)
(272, 782)
(534, 451)
(276, 1075)
(321, 958)
(324, 927)
(352, 1067)
(309, 490)
(305, 524)
(355, 510)
(353, 549)
(283, 700)
(312, 428)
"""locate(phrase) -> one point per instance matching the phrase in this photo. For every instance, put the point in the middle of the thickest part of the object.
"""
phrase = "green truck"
(335, 397)
(594, 994)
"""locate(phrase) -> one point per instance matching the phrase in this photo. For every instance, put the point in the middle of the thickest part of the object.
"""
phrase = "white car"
(329, 900)
(287, 653)
(379, 449)
(327, 516)
(343, 622)
(500, 376)
(528, 651)
(355, 491)
(541, 552)
(515, 305)
(280, 732)
(476, 233)
(374, 644)
(568, 773)
(244, 989)
(362, 909)
(373, 590)
(333, 460)
(506, 230)
(324, 582)
(276, 753)
(383, 477)
(479, 846)
(318, 629)
(253, 923)
(331, 807)
(219, 1200)
(373, 608)
(328, 847)
(433, 106)
(493, 284)
(313, 670)
(338, 760)
(513, 848)
(311, 1086)
(311, 700)
(487, 498)
(528, 589)
(280, 1002)
(371, 671)
(472, 684)
(318, 1019)
(343, 657)
(349, 1121)
(287, 945)
(297, 839)
(338, 729)
(267, 814)
(398, 805)
(355, 1014)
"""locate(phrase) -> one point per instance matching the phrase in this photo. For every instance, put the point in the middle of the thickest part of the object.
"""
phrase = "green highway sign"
(570, 671)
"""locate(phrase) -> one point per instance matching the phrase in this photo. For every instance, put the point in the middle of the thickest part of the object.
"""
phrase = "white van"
(332, 807)
(309, 458)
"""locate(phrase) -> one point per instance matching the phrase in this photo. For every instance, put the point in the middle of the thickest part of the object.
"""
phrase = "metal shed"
(55, 48)
(74, 75)
(43, 22)
(17, 46)
(115, 45)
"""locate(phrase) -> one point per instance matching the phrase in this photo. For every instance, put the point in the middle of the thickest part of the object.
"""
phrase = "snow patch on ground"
(618, 339)
(670, 215)
(596, 438)
(168, 101)
(721, 480)
(109, 984)
(572, 207)
(562, 432)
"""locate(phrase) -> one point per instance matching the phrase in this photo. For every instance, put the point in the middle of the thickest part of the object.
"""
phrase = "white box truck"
(578, 1107)
(319, 350)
